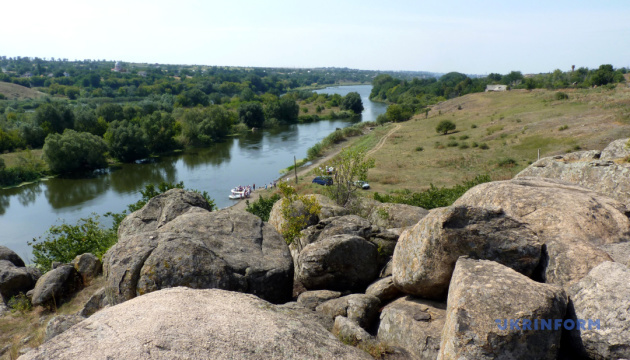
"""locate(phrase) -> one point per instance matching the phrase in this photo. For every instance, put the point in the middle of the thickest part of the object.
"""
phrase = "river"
(256, 158)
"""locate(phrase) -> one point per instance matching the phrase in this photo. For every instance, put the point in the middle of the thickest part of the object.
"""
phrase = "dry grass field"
(514, 125)
(18, 92)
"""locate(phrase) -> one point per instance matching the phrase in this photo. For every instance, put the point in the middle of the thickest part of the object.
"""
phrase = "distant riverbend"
(28, 211)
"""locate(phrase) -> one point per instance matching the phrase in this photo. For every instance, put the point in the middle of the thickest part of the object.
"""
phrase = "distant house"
(496, 88)
(142, 73)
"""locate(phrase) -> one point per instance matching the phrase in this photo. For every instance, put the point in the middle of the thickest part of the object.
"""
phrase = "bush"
(507, 163)
(445, 126)
(262, 207)
(561, 95)
(463, 146)
(314, 151)
(20, 303)
(563, 127)
(382, 119)
(295, 223)
(419, 148)
(452, 143)
(74, 151)
(463, 137)
(433, 197)
(64, 242)
(484, 146)
(473, 126)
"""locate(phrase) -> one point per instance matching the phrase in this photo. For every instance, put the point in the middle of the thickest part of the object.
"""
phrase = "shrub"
(452, 143)
(433, 197)
(484, 146)
(445, 126)
(463, 146)
(419, 148)
(381, 119)
(463, 137)
(563, 127)
(20, 303)
(295, 223)
(314, 151)
(507, 163)
(262, 207)
(561, 95)
(474, 144)
(473, 126)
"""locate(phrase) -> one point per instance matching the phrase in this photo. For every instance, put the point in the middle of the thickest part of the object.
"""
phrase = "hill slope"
(18, 92)
(514, 125)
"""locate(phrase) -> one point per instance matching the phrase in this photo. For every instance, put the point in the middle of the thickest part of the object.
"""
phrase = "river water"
(256, 158)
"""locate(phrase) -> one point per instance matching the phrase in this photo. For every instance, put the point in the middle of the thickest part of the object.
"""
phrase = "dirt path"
(382, 141)
(241, 205)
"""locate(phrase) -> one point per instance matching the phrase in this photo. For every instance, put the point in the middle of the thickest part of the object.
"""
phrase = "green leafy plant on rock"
(296, 219)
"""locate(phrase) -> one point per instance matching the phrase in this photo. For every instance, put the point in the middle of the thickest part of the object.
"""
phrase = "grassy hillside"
(18, 92)
(513, 125)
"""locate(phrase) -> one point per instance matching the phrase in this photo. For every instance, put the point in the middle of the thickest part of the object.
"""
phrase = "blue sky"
(475, 37)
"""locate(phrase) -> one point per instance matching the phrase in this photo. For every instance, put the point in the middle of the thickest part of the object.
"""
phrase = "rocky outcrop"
(390, 216)
(483, 291)
(384, 289)
(604, 295)
(328, 209)
(360, 308)
(88, 266)
(10, 255)
(426, 255)
(339, 262)
(571, 221)
(349, 331)
(606, 172)
(226, 249)
(56, 286)
(61, 323)
(311, 299)
(413, 324)
(160, 210)
(15, 279)
(619, 252)
(223, 325)
(96, 302)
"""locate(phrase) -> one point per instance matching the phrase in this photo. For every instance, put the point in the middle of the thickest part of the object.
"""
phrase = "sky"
(473, 37)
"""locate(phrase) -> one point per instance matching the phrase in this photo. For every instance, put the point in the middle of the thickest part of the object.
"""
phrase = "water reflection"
(29, 194)
(215, 155)
(62, 193)
(132, 177)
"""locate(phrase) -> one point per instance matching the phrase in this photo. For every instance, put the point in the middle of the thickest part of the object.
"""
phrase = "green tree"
(54, 118)
(127, 141)
(398, 113)
(352, 102)
(296, 211)
(160, 130)
(251, 114)
(72, 151)
(286, 110)
(85, 120)
(350, 166)
(445, 126)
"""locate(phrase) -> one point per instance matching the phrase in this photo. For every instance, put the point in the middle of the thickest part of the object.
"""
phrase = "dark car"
(323, 180)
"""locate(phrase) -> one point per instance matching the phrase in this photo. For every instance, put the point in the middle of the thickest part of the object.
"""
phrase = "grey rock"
(226, 249)
(349, 331)
(606, 175)
(96, 302)
(360, 308)
(311, 299)
(396, 215)
(384, 289)
(414, 325)
(604, 295)
(618, 149)
(570, 220)
(619, 252)
(387, 269)
(426, 255)
(10, 255)
(88, 266)
(483, 291)
(56, 286)
(340, 262)
(61, 323)
(160, 210)
(297, 310)
(224, 325)
(14, 280)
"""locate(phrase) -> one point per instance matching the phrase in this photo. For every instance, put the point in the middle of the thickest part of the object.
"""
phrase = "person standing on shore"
(254, 186)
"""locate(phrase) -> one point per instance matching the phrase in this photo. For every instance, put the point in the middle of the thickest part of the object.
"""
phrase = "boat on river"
(240, 192)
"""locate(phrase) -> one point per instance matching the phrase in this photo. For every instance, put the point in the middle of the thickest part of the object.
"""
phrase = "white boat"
(237, 195)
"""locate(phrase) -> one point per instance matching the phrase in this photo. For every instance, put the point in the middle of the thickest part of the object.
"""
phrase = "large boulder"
(390, 216)
(61, 323)
(56, 286)
(425, 256)
(182, 323)
(226, 249)
(10, 255)
(339, 262)
(570, 220)
(360, 308)
(311, 299)
(328, 209)
(413, 324)
(160, 210)
(384, 289)
(485, 295)
(88, 266)
(605, 172)
(15, 279)
(603, 295)
(619, 252)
